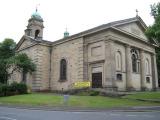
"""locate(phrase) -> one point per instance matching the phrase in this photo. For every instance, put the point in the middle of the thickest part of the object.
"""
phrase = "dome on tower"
(36, 16)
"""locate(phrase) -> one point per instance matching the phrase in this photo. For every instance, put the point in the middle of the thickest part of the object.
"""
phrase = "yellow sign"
(82, 84)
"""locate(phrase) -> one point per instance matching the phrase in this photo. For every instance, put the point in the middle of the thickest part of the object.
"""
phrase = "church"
(115, 56)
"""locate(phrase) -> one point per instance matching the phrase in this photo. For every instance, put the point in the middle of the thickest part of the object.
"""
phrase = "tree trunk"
(24, 76)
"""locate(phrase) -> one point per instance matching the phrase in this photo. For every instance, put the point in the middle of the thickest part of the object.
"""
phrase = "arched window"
(134, 63)
(135, 60)
(147, 67)
(118, 61)
(63, 70)
(36, 33)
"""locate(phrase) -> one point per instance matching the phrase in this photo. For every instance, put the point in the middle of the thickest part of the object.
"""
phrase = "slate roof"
(106, 26)
(96, 29)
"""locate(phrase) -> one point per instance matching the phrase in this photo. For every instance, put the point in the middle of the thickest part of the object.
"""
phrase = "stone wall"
(43, 67)
(148, 84)
(72, 51)
(31, 52)
(40, 55)
(121, 84)
(136, 78)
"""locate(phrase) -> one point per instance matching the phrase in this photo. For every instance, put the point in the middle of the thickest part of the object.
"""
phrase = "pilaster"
(154, 72)
(143, 78)
(128, 68)
(110, 67)
(85, 66)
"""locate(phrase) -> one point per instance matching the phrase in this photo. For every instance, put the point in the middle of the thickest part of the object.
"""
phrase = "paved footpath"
(11, 113)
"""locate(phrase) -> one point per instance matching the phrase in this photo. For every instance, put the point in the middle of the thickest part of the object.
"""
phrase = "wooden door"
(97, 80)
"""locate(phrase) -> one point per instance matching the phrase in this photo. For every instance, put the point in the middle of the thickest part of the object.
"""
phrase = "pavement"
(82, 109)
(31, 113)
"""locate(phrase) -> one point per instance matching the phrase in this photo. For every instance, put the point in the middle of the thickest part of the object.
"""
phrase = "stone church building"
(115, 56)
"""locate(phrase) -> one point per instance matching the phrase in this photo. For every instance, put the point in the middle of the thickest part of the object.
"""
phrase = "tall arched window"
(118, 61)
(135, 60)
(63, 70)
(147, 67)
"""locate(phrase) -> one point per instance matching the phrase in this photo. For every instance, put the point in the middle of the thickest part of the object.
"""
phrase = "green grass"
(145, 95)
(32, 99)
(74, 101)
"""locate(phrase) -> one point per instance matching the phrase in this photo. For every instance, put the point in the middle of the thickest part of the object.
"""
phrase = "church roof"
(113, 25)
(110, 25)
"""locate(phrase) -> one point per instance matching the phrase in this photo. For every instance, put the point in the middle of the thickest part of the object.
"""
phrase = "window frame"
(118, 61)
(147, 66)
(136, 62)
(63, 70)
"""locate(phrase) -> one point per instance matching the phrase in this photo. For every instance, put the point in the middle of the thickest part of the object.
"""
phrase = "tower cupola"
(35, 26)
(66, 33)
(36, 16)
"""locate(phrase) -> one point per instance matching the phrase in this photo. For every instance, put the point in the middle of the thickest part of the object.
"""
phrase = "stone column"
(110, 67)
(128, 68)
(154, 72)
(143, 78)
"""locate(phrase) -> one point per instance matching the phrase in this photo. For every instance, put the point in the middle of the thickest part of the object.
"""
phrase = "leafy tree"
(10, 62)
(153, 32)
(24, 64)
(7, 50)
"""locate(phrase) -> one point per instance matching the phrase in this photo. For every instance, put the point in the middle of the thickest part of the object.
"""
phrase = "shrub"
(1, 90)
(14, 86)
(22, 88)
(4, 89)
(13, 89)
(94, 93)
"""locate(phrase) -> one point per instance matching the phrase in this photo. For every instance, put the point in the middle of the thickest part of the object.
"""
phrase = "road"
(28, 114)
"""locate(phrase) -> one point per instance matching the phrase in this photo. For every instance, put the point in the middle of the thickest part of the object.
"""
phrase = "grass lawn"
(145, 95)
(75, 101)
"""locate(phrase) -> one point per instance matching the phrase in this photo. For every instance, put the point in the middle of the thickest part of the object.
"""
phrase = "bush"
(13, 89)
(2, 91)
(94, 93)
(22, 88)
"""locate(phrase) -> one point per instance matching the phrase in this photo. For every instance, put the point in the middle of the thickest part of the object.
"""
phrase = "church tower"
(35, 26)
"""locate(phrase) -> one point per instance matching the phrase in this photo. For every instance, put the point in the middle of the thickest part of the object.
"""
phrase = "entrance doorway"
(97, 80)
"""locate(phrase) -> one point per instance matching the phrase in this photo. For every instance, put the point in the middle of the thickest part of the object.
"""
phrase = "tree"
(7, 50)
(10, 61)
(153, 32)
(24, 64)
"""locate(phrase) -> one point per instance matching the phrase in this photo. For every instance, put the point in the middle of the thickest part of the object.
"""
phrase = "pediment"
(134, 28)
(24, 43)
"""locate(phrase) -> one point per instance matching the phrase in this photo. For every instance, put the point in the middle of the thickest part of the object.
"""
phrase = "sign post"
(65, 99)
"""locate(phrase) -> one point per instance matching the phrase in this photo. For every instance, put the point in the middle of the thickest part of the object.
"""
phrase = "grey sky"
(76, 15)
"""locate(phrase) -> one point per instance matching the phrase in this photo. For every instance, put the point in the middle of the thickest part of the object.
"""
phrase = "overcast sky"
(76, 15)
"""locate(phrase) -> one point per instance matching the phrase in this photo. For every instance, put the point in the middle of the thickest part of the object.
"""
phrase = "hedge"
(12, 89)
